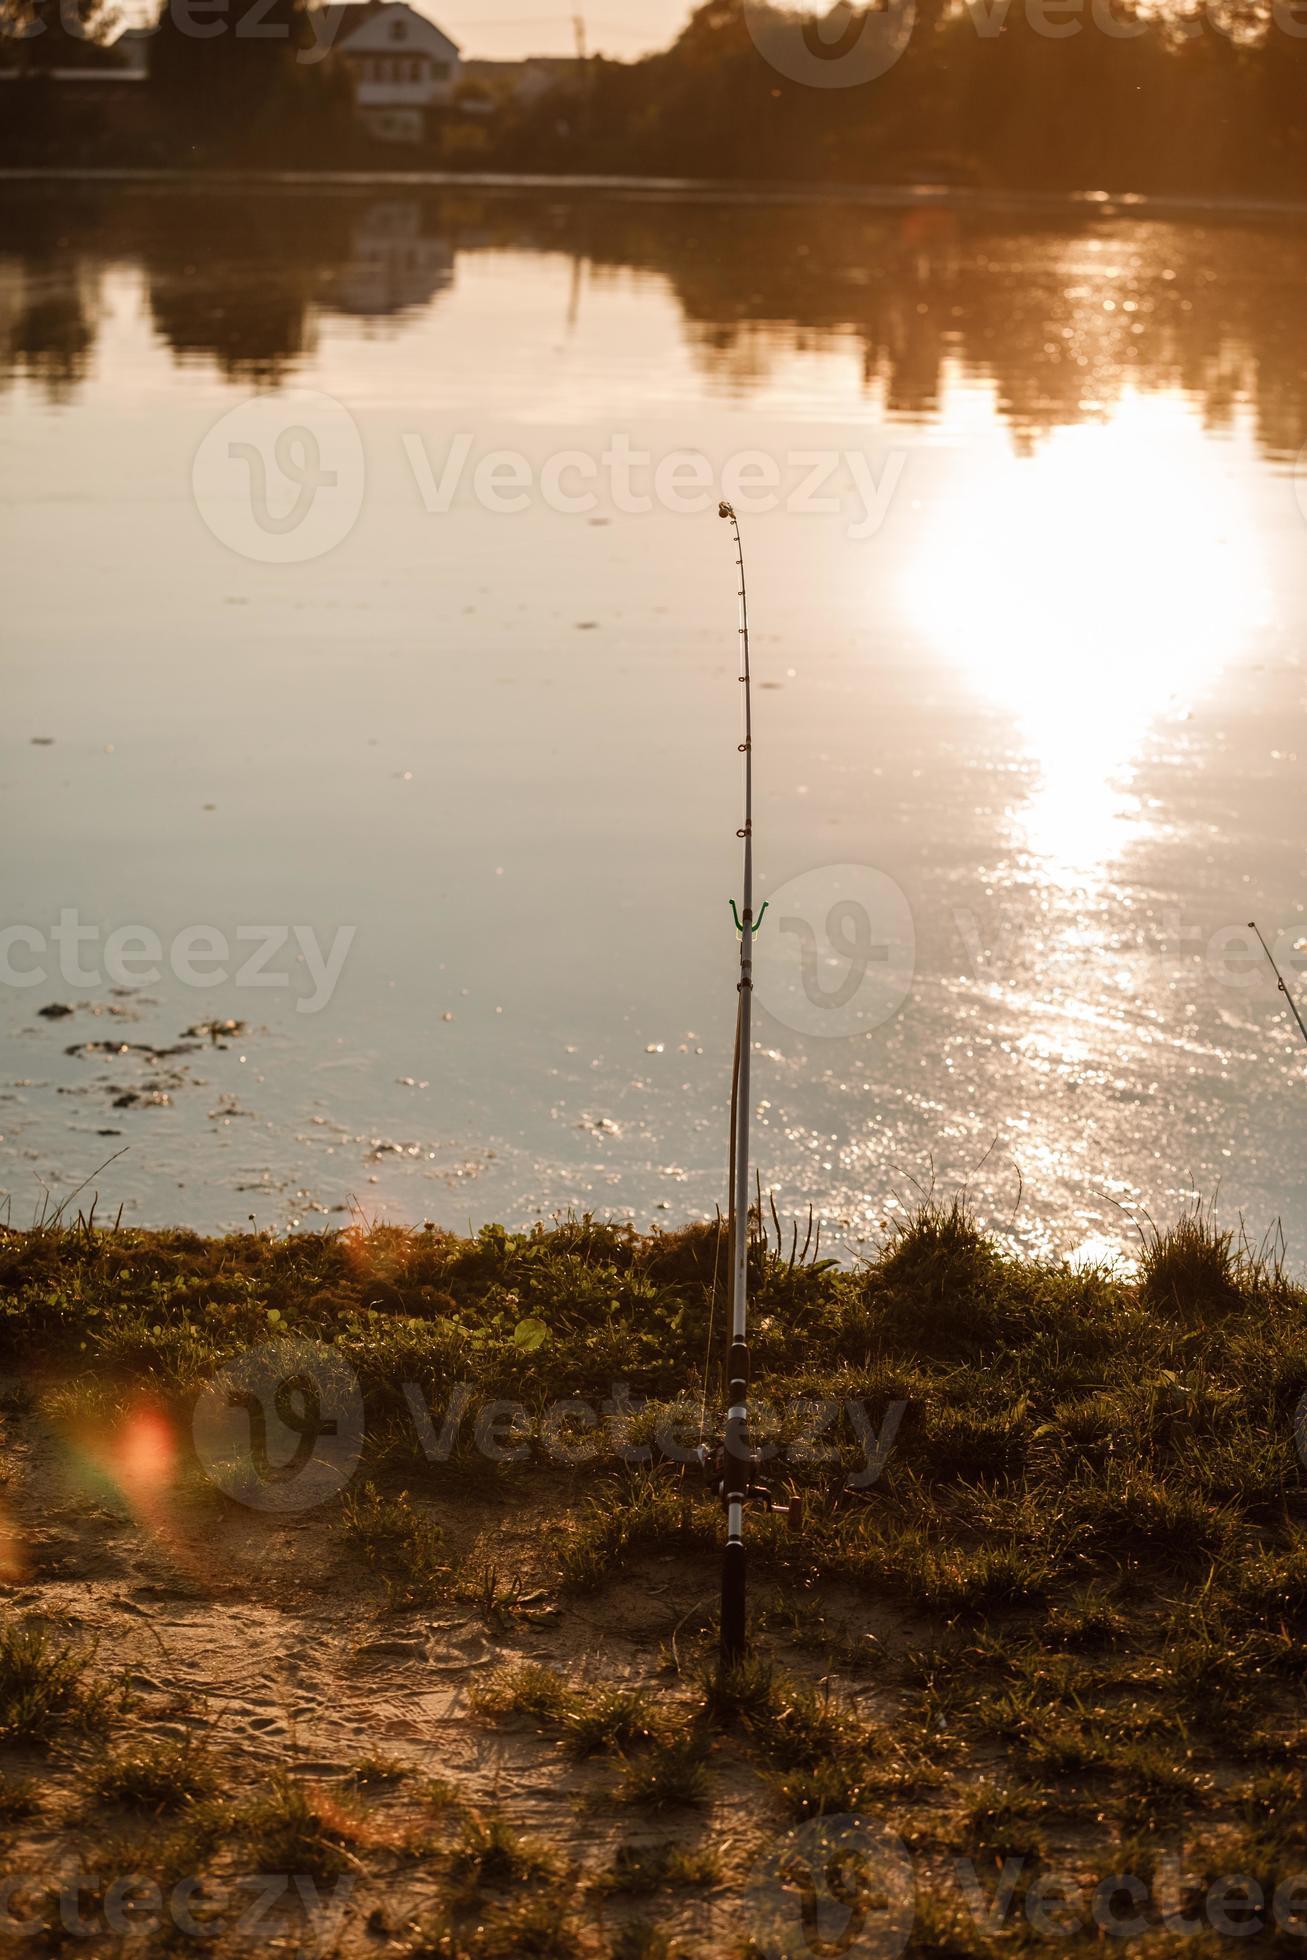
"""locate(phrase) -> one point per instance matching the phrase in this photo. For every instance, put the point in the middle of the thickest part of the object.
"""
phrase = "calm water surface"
(1056, 694)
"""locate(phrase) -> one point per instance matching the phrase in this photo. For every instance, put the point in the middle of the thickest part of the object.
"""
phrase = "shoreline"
(390, 1558)
(681, 190)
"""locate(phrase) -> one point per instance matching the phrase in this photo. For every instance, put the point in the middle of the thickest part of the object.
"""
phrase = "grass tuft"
(670, 1774)
(20, 1799)
(400, 1542)
(524, 1689)
(493, 1856)
(45, 1686)
(612, 1719)
(146, 1776)
(298, 1827)
(650, 1516)
(940, 1281)
(1191, 1268)
(647, 1868)
(640, 1939)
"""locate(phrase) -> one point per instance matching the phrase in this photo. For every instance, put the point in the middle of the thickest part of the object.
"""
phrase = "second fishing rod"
(1284, 985)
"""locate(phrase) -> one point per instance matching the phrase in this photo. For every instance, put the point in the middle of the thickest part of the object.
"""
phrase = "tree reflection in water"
(1062, 312)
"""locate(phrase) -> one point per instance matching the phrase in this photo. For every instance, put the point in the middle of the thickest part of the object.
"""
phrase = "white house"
(403, 66)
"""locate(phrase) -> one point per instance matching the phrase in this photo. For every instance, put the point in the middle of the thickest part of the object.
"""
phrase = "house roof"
(97, 77)
(491, 70)
(342, 20)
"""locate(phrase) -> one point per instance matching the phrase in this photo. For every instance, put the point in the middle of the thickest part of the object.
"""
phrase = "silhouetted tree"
(1005, 92)
(43, 34)
(246, 83)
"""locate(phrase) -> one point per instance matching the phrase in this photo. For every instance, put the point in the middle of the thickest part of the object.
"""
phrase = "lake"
(370, 685)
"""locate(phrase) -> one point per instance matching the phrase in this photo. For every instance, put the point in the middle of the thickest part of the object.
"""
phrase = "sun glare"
(1086, 589)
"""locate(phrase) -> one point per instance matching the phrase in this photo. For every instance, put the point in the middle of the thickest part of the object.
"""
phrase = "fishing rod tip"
(726, 510)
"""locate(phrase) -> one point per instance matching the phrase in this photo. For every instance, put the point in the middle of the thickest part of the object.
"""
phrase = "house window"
(398, 30)
(440, 69)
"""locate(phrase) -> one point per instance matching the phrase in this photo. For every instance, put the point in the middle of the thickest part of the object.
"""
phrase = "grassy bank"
(1047, 1608)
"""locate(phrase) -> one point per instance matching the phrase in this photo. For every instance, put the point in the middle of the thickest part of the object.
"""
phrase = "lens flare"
(135, 1459)
(14, 1562)
(142, 1459)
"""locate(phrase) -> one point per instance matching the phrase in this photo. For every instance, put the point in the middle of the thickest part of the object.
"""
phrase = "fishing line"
(717, 1244)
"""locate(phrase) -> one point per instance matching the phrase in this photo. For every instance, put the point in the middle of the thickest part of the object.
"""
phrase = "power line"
(550, 20)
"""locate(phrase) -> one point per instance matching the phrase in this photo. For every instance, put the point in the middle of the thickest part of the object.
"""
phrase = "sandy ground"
(270, 1641)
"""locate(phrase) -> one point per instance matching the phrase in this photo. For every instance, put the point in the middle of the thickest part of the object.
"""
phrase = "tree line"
(1208, 96)
(1201, 98)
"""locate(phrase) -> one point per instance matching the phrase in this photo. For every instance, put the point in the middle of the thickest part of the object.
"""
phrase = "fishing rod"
(737, 1460)
(1293, 1005)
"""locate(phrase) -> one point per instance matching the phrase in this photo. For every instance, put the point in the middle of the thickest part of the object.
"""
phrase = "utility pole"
(587, 71)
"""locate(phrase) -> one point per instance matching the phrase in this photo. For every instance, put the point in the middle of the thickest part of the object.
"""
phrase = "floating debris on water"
(131, 1048)
(228, 1107)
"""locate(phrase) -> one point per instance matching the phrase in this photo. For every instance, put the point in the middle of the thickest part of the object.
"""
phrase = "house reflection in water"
(395, 264)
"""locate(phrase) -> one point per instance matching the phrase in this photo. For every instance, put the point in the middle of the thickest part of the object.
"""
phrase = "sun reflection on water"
(1085, 589)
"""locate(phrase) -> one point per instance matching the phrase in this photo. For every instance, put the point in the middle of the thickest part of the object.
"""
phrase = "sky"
(509, 29)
